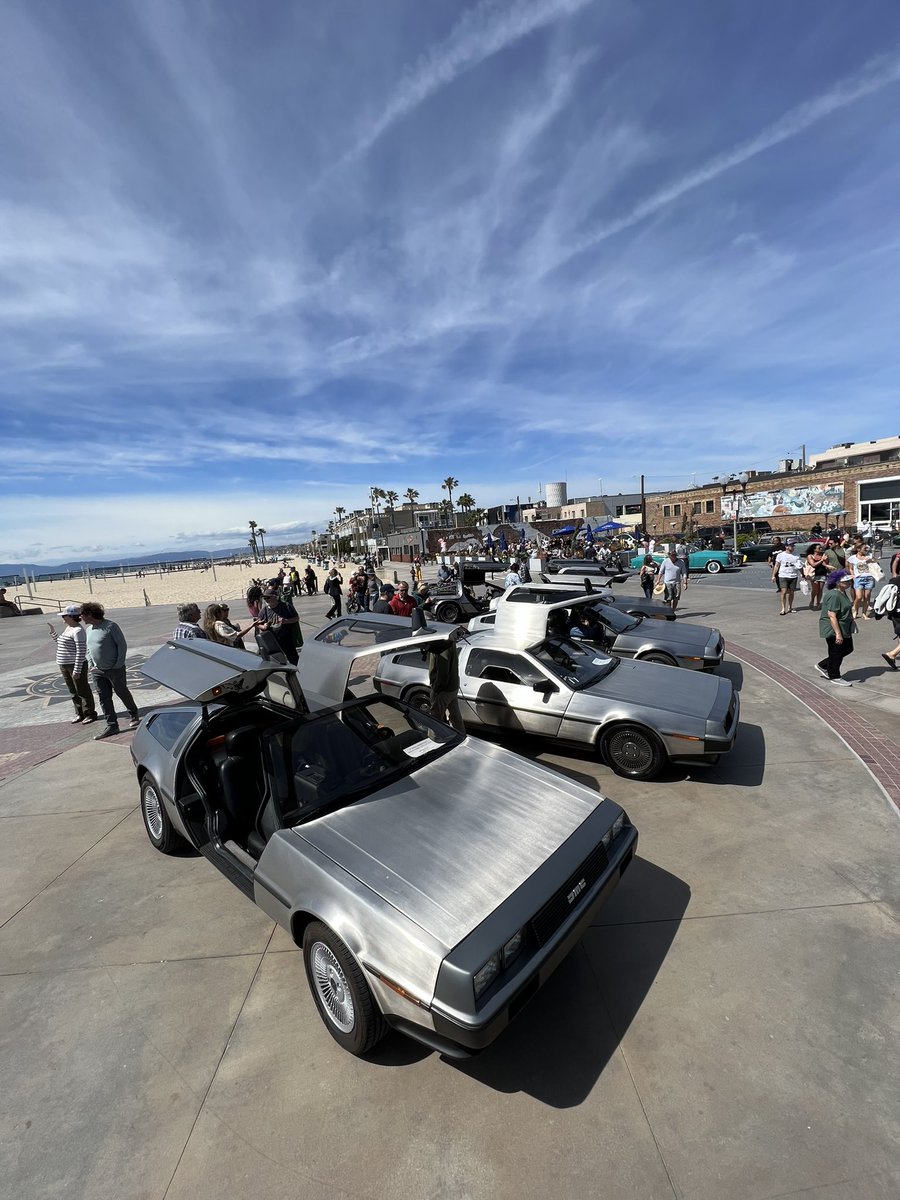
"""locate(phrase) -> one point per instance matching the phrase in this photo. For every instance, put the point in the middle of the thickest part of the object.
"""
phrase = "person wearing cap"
(786, 574)
(71, 658)
(836, 627)
(278, 625)
(383, 603)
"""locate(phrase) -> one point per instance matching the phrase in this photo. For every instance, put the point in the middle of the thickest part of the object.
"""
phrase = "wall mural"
(822, 498)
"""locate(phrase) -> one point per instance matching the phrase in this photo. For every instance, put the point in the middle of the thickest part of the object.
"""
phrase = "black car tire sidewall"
(658, 758)
(369, 1026)
(658, 658)
(419, 697)
(451, 608)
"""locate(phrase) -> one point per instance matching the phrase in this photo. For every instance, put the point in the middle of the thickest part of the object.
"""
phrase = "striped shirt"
(71, 648)
(184, 631)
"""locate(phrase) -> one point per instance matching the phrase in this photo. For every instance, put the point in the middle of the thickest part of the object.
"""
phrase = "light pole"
(736, 487)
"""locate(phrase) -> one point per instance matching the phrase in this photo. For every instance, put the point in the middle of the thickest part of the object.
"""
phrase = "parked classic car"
(711, 561)
(427, 894)
(516, 676)
(697, 647)
(614, 569)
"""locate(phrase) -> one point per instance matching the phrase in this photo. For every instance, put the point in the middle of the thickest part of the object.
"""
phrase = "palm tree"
(448, 485)
(411, 497)
(446, 511)
(262, 537)
(252, 543)
(390, 499)
(465, 501)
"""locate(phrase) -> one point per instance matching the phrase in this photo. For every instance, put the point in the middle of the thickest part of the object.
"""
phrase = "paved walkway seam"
(878, 754)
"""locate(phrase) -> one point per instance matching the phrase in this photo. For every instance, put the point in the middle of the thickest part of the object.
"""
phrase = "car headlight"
(512, 947)
(485, 977)
(618, 823)
(607, 839)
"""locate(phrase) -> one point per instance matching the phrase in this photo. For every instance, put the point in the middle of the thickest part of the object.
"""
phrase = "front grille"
(544, 924)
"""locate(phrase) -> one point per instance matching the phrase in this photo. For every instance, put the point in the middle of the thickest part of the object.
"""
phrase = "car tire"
(657, 656)
(713, 567)
(420, 698)
(160, 830)
(340, 992)
(451, 613)
(633, 751)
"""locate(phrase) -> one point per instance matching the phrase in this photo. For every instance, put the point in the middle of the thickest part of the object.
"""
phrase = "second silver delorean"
(520, 676)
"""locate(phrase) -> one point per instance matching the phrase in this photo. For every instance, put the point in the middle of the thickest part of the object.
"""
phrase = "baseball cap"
(71, 610)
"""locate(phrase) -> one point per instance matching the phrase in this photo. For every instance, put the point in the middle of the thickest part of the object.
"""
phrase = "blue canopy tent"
(609, 525)
(488, 540)
(589, 535)
(566, 529)
(502, 542)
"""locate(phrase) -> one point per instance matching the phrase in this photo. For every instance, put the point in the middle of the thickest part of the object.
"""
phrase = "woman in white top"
(860, 564)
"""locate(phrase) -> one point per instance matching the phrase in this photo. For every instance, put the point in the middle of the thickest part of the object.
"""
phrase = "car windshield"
(577, 666)
(330, 761)
(616, 619)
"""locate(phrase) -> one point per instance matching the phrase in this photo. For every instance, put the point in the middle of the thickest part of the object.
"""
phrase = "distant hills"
(131, 560)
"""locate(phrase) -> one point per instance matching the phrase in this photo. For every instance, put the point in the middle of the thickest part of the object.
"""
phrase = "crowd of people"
(839, 575)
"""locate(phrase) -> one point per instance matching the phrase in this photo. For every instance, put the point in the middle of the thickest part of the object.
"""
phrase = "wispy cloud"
(489, 28)
(878, 73)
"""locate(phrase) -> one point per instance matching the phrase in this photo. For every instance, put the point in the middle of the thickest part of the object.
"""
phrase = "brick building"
(861, 481)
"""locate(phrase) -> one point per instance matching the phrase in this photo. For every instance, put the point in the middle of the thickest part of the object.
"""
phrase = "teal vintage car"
(711, 561)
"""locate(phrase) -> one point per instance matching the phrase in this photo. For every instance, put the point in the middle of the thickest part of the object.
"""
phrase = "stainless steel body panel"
(439, 847)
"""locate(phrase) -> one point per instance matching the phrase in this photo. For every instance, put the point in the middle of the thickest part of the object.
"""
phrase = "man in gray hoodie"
(106, 650)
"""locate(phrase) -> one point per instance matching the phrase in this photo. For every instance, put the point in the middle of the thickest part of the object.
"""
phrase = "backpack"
(886, 602)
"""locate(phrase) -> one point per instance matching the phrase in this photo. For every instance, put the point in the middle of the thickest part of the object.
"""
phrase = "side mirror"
(545, 687)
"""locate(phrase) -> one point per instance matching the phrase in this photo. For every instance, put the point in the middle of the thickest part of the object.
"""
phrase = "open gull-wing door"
(328, 659)
(208, 672)
(524, 625)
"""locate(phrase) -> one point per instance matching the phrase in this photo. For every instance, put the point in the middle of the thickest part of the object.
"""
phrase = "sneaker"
(821, 671)
(890, 662)
(134, 722)
(89, 720)
(109, 731)
(75, 721)
(842, 683)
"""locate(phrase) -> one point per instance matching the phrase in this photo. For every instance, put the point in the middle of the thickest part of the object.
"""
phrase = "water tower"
(557, 495)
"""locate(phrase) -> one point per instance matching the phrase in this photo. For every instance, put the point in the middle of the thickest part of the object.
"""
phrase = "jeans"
(836, 655)
(79, 689)
(107, 682)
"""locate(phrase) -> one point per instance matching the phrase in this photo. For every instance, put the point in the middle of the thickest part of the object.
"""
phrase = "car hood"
(650, 685)
(448, 843)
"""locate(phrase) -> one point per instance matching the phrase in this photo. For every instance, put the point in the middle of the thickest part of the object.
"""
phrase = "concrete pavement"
(728, 1029)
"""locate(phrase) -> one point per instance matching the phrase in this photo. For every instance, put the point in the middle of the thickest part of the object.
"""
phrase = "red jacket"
(401, 607)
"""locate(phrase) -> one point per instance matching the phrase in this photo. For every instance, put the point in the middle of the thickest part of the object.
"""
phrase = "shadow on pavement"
(862, 673)
(734, 671)
(558, 1047)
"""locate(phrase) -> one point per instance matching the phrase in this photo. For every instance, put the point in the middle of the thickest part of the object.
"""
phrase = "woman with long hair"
(816, 572)
(218, 627)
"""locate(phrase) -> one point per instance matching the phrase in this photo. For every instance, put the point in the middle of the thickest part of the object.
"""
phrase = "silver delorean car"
(697, 647)
(518, 675)
(433, 882)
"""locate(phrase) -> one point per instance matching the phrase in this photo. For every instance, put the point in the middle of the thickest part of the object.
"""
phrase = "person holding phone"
(71, 658)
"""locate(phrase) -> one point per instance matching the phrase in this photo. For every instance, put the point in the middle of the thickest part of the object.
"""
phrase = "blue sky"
(256, 258)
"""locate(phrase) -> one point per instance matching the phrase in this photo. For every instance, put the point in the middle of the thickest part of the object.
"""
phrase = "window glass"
(167, 727)
(577, 665)
(504, 668)
(710, 506)
(416, 658)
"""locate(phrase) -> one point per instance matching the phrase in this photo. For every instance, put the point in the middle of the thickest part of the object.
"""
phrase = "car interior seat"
(240, 776)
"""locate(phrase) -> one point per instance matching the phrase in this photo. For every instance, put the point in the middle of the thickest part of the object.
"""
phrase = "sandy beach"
(203, 586)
